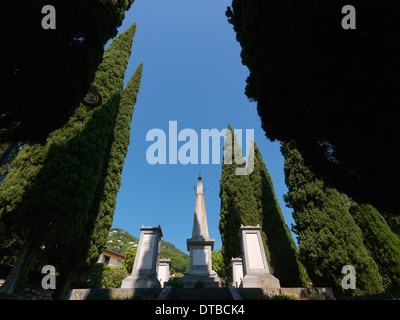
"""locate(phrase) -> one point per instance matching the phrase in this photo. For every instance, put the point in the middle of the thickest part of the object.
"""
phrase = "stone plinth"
(164, 271)
(255, 266)
(200, 263)
(237, 272)
(145, 268)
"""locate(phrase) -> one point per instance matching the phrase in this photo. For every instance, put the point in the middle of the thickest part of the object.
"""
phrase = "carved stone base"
(133, 281)
(260, 281)
(210, 280)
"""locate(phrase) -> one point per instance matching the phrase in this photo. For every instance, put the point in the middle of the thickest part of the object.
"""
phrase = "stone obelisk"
(200, 246)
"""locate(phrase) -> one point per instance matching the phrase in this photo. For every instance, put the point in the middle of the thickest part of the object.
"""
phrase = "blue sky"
(192, 74)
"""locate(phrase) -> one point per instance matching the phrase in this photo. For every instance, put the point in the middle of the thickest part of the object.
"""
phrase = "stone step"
(199, 294)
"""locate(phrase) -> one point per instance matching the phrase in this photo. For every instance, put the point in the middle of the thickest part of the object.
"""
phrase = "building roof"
(105, 250)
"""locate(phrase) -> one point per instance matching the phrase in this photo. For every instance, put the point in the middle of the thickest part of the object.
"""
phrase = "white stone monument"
(200, 246)
(163, 271)
(237, 272)
(255, 266)
(145, 268)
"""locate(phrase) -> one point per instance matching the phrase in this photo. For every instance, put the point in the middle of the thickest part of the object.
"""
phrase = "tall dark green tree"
(393, 222)
(284, 258)
(46, 197)
(331, 90)
(46, 72)
(238, 203)
(381, 242)
(79, 256)
(328, 236)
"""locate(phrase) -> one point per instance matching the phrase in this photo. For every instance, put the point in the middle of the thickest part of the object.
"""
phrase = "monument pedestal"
(200, 264)
(145, 267)
(135, 281)
(210, 281)
(260, 281)
(237, 272)
(255, 266)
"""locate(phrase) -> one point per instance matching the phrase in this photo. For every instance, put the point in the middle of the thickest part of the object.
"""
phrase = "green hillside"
(120, 241)
(179, 260)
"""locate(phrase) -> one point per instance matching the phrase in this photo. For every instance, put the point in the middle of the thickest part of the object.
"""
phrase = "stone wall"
(36, 293)
(113, 293)
(299, 293)
(33, 292)
(33, 289)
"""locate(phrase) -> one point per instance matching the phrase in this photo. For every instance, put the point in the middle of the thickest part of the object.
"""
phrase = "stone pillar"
(145, 267)
(237, 272)
(163, 271)
(255, 266)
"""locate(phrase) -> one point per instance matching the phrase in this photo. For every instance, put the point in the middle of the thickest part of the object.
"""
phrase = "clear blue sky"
(192, 74)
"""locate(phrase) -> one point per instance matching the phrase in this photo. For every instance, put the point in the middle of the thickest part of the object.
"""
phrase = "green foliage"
(238, 203)
(284, 259)
(251, 200)
(113, 276)
(92, 278)
(217, 263)
(46, 73)
(381, 242)
(102, 276)
(110, 80)
(199, 284)
(179, 260)
(393, 222)
(120, 241)
(175, 283)
(328, 236)
(105, 199)
(62, 194)
(130, 256)
(295, 52)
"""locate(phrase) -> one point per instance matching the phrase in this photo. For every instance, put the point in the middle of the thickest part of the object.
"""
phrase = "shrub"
(175, 283)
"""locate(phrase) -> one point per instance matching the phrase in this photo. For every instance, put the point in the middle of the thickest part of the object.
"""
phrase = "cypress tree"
(86, 249)
(393, 222)
(295, 53)
(284, 258)
(381, 242)
(327, 233)
(46, 196)
(238, 203)
(46, 73)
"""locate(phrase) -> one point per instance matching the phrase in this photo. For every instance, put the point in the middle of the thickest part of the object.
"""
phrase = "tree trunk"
(63, 285)
(15, 281)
